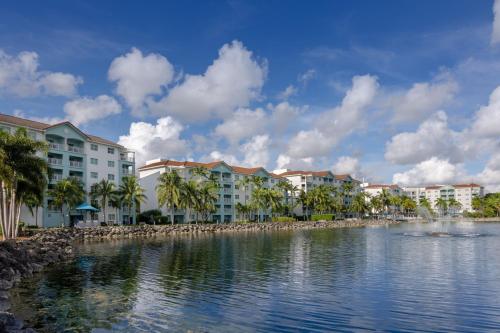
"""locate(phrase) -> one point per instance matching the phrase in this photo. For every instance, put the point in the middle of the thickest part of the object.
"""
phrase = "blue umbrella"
(87, 207)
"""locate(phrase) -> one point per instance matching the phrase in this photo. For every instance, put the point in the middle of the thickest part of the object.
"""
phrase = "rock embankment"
(22, 259)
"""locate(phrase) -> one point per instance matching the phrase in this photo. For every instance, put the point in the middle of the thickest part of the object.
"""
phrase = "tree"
(115, 202)
(274, 200)
(189, 196)
(385, 200)
(243, 209)
(377, 204)
(258, 195)
(23, 175)
(103, 191)
(66, 195)
(168, 191)
(208, 196)
(131, 193)
(408, 205)
(442, 205)
(360, 204)
(454, 205)
(306, 201)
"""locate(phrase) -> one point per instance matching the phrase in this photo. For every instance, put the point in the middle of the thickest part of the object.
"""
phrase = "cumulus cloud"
(85, 109)
(307, 76)
(242, 124)
(347, 165)
(150, 141)
(138, 76)
(423, 99)
(20, 76)
(490, 176)
(495, 35)
(220, 156)
(288, 92)
(233, 80)
(285, 161)
(256, 151)
(487, 118)
(431, 171)
(47, 120)
(432, 138)
(283, 114)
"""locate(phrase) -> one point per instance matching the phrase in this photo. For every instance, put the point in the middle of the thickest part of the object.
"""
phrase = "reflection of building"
(307, 180)
(230, 179)
(73, 153)
(463, 193)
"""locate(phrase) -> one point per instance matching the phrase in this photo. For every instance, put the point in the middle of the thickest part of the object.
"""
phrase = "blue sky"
(387, 90)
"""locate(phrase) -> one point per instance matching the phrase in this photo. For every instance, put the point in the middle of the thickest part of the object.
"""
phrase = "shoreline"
(23, 258)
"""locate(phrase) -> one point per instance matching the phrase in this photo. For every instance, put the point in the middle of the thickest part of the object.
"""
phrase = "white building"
(375, 189)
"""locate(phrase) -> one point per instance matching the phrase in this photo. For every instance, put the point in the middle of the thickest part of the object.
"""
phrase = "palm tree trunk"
(172, 215)
(36, 216)
(104, 209)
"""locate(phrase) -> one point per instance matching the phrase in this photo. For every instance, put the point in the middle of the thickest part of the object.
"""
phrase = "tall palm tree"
(408, 205)
(116, 203)
(377, 204)
(22, 174)
(385, 199)
(208, 196)
(454, 205)
(274, 200)
(306, 201)
(103, 191)
(258, 196)
(168, 191)
(360, 204)
(242, 209)
(66, 195)
(131, 194)
(34, 201)
(189, 196)
(442, 205)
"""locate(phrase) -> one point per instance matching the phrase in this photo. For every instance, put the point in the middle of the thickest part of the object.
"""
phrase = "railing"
(227, 190)
(228, 201)
(75, 149)
(54, 161)
(125, 172)
(226, 179)
(55, 146)
(56, 177)
(80, 179)
(75, 164)
(127, 158)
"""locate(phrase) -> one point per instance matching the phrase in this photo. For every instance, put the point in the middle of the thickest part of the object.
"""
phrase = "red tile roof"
(467, 185)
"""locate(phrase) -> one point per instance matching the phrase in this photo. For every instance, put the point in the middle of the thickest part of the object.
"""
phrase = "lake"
(412, 277)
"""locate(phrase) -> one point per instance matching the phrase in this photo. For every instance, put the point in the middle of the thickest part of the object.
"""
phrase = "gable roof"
(5, 118)
(247, 171)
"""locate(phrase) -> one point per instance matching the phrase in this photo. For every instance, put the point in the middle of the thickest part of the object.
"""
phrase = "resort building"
(463, 193)
(375, 189)
(231, 179)
(73, 153)
(307, 180)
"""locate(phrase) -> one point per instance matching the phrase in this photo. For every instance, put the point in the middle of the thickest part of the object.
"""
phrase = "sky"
(403, 92)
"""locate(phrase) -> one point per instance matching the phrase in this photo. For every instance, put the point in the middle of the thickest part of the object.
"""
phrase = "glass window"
(93, 161)
(111, 164)
(93, 175)
(93, 147)
(111, 176)
(111, 150)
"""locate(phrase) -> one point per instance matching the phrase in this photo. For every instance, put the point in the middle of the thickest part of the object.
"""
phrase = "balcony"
(227, 190)
(55, 146)
(54, 161)
(226, 179)
(127, 158)
(75, 164)
(55, 177)
(227, 201)
(75, 149)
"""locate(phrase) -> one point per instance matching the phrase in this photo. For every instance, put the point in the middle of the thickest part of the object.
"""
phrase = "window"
(93, 175)
(111, 150)
(111, 176)
(236, 196)
(93, 147)
(93, 161)
(111, 164)
(111, 217)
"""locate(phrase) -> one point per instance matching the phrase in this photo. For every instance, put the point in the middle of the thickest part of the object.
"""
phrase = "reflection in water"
(320, 280)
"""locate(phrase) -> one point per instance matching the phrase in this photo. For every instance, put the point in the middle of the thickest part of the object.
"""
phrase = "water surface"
(414, 277)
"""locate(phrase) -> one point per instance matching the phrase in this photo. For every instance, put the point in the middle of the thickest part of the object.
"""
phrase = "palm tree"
(189, 196)
(306, 200)
(274, 200)
(408, 205)
(104, 190)
(208, 196)
(360, 203)
(131, 194)
(115, 202)
(66, 194)
(22, 175)
(34, 201)
(442, 204)
(385, 199)
(376, 204)
(322, 198)
(258, 196)
(168, 191)
(242, 209)
(454, 205)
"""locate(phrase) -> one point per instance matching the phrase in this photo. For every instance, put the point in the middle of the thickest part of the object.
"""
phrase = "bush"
(147, 215)
(322, 217)
(284, 219)
(162, 220)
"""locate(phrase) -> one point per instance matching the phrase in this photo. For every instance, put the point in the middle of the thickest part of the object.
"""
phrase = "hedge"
(322, 217)
(283, 219)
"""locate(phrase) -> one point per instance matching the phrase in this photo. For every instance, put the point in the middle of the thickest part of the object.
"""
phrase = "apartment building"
(73, 153)
(232, 188)
(307, 180)
(463, 193)
(376, 189)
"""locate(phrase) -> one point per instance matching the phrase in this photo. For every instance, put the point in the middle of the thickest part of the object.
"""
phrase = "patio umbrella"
(85, 207)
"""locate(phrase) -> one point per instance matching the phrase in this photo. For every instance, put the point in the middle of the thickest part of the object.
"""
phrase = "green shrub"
(147, 215)
(284, 219)
(163, 220)
(322, 217)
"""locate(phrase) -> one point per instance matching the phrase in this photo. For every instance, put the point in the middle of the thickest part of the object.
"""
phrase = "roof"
(467, 185)
(342, 177)
(247, 171)
(302, 172)
(5, 118)
(433, 187)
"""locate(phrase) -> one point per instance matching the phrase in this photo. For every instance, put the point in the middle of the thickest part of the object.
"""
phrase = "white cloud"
(242, 124)
(85, 109)
(307, 76)
(233, 80)
(309, 144)
(46, 120)
(19, 75)
(220, 156)
(490, 176)
(256, 151)
(139, 76)
(432, 138)
(288, 92)
(347, 165)
(285, 161)
(495, 34)
(283, 115)
(160, 140)
(487, 118)
(423, 99)
(431, 171)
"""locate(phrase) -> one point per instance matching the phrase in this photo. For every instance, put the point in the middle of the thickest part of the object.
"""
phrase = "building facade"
(463, 193)
(73, 153)
(231, 180)
(375, 189)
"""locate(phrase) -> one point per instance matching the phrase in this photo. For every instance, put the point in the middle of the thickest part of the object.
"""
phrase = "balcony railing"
(226, 179)
(75, 149)
(55, 146)
(125, 172)
(54, 161)
(75, 164)
(56, 178)
(227, 190)
(227, 201)
(126, 158)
